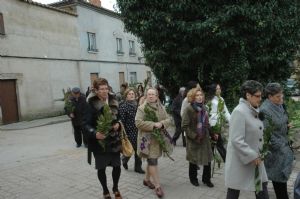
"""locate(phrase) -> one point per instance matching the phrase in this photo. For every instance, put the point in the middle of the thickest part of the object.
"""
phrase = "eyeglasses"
(257, 96)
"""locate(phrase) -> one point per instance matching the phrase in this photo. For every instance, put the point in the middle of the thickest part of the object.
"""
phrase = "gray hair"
(251, 87)
(272, 89)
(182, 89)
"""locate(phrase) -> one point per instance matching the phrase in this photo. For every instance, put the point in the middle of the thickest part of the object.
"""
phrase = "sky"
(108, 4)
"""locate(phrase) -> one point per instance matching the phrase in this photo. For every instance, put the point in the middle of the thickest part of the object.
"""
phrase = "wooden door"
(121, 78)
(93, 76)
(8, 101)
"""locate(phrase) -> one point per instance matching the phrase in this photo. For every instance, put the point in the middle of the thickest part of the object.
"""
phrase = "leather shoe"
(139, 170)
(209, 184)
(149, 184)
(159, 192)
(125, 165)
(106, 196)
(195, 183)
(117, 195)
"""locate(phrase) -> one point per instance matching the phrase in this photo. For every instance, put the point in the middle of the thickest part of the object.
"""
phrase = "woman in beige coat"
(148, 147)
(195, 123)
(244, 143)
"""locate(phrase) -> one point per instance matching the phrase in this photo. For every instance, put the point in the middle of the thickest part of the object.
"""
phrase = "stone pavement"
(43, 163)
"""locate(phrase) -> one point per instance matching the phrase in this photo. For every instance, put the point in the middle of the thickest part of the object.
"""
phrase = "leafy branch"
(104, 124)
(293, 110)
(150, 115)
(68, 104)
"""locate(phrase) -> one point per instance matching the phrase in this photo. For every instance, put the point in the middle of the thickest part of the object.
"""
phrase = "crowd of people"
(200, 117)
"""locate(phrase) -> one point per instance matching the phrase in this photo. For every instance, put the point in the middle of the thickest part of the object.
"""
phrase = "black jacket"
(79, 107)
(91, 115)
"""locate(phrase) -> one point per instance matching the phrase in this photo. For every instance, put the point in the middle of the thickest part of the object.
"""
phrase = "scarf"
(132, 103)
(202, 119)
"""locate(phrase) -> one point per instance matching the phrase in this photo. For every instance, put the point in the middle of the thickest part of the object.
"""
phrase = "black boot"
(125, 161)
(193, 174)
(206, 175)
(138, 165)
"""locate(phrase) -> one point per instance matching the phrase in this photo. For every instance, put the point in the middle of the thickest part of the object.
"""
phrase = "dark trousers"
(116, 172)
(137, 161)
(178, 131)
(280, 189)
(206, 174)
(234, 194)
(79, 135)
(220, 147)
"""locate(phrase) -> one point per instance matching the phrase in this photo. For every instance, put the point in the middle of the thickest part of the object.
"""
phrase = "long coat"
(196, 153)
(245, 140)
(145, 138)
(127, 112)
(281, 153)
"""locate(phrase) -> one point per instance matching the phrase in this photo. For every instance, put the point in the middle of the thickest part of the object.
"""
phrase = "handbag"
(127, 149)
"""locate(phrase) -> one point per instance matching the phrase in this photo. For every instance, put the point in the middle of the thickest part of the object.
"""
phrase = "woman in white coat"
(245, 141)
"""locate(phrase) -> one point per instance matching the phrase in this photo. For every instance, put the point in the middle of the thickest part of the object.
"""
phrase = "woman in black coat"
(127, 113)
(109, 154)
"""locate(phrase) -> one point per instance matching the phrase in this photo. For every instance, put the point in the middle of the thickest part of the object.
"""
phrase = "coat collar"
(253, 110)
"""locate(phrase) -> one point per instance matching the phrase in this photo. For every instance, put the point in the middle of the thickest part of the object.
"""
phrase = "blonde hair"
(127, 91)
(191, 95)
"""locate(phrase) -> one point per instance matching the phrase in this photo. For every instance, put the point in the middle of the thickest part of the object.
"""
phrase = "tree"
(215, 41)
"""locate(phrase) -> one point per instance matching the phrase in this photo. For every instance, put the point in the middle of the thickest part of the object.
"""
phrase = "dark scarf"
(202, 119)
(132, 103)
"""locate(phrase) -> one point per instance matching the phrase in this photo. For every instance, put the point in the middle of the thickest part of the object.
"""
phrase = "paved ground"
(43, 163)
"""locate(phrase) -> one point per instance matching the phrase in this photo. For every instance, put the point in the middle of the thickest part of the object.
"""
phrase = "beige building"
(45, 49)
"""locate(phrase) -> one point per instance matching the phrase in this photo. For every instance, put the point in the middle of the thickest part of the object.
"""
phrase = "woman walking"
(280, 152)
(109, 153)
(195, 123)
(127, 112)
(148, 147)
(244, 142)
(218, 115)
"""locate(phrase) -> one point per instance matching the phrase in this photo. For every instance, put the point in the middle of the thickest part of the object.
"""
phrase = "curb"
(31, 124)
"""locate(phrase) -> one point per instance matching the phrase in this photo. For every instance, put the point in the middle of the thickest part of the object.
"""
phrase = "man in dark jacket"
(78, 103)
(176, 107)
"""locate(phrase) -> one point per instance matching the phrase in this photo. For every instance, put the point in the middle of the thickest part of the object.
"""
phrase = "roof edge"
(48, 7)
(88, 5)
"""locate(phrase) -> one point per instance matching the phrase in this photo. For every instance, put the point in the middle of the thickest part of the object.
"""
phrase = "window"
(2, 32)
(92, 42)
(93, 76)
(131, 48)
(133, 78)
(119, 46)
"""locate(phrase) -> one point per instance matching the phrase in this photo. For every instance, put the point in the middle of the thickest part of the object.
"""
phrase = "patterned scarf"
(202, 119)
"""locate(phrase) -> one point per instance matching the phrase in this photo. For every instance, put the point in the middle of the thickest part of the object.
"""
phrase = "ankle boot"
(138, 165)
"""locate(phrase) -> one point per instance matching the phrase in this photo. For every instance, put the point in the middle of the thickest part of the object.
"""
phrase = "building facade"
(45, 49)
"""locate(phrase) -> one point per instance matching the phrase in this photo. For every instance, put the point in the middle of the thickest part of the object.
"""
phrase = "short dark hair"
(272, 89)
(99, 82)
(211, 91)
(190, 85)
(251, 87)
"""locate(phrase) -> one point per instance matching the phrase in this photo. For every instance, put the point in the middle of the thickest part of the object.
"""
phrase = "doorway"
(8, 101)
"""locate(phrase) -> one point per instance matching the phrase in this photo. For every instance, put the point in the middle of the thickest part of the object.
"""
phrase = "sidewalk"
(35, 123)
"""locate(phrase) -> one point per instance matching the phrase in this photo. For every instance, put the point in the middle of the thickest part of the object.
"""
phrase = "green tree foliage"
(215, 41)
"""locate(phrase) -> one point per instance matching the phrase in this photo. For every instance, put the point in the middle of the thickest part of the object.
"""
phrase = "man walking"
(78, 103)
